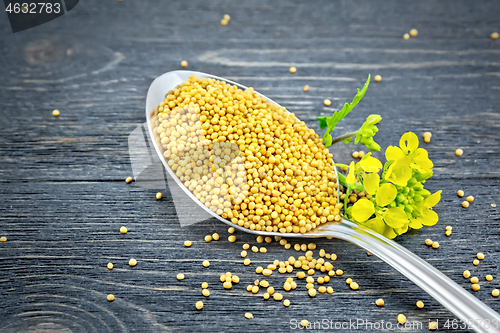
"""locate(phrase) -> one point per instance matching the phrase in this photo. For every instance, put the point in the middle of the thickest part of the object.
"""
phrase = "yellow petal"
(428, 217)
(408, 142)
(401, 230)
(433, 199)
(386, 194)
(399, 172)
(415, 224)
(395, 217)
(389, 232)
(393, 153)
(376, 224)
(370, 182)
(421, 161)
(370, 164)
(350, 179)
(362, 210)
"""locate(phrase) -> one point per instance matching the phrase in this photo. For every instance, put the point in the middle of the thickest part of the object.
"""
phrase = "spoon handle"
(473, 313)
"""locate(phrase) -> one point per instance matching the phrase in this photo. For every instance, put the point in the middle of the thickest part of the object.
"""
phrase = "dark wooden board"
(62, 192)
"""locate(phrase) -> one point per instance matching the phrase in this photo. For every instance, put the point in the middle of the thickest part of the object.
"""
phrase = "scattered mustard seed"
(361, 154)
(199, 305)
(470, 198)
(474, 279)
(123, 230)
(475, 262)
(448, 233)
(110, 265)
(327, 102)
(223, 22)
(246, 246)
(465, 204)
(227, 17)
(380, 302)
(3, 239)
(277, 296)
(230, 230)
(187, 243)
(493, 205)
(459, 152)
(480, 256)
(339, 272)
(246, 262)
(180, 276)
(312, 292)
(354, 285)
(460, 193)
(348, 281)
(158, 195)
(204, 285)
(243, 254)
(475, 287)
(205, 292)
(56, 113)
(406, 36)
(286, 302)
(228, 285)
(266, 296)
(489, 277)
(401, 318)
(293, 70)
(329, 290)
(248, 315)
(215, 236)
(420, 304)
(128, 180)
(449, 227)
(466, 274)
(495, 292)
(413, 32)
(184, 63)
(355, 154)
(111, 297)
(433, 325)
(206, 263)
(208, 238)
(306, 88)
(132, 262)
(378, 78)
(494, 35)
(262, 250)
(304, 323)
(428, 242)
(435, 245)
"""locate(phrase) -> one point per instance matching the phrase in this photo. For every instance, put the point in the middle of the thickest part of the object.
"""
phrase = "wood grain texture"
(62, 192)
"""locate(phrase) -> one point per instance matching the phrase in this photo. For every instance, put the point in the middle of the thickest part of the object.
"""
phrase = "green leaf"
(322, 122)
(327, 140)
(332, 121)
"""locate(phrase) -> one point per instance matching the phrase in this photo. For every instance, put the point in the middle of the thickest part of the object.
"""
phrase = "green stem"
(343, 137)
(357, 187)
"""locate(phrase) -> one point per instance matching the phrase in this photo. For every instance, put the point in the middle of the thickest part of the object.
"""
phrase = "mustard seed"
(495, 292)
(246, 262)
(208, 238)
(401, 318)
(277, 296)
(246, 246)
(354, 285)
(339, 272)
(286, 302)
(470, 198)
(406, 36)
(355, 154)
(329, 290)
(420, 304)
(466, 274)
(215, 237)
(158, 196)
(361, 154)
(228, 285)
(111, 297)
(428, 242)
(489, 277)
(293, 70)
(474, 279)
(206, 263)
(475, 262)
(480, 256)
(187, 243)
(110, 265)
(380, 302)
(3, 239)
(433, 325)
(184, 63)
(248, 315)
(475, 287)
(304, 323)
(460, 193)
(199, 305)
(413, 32)
(56, 113)
(312, 292)
(494, 35)
(435, 245)
(327, 102)
(227, 17)
(205, 292)
(232, 238)
(180, 276)
(465, 204)
(223, 22)
(204, 285)
(128, 180)
(378, 78)
(266, 296)
(348, 281)
(306, 88)
(459, 152)
(230, 230)
(132, 262)
(243, 254)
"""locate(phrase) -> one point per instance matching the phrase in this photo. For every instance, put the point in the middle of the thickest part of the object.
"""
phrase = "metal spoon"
(465, 306)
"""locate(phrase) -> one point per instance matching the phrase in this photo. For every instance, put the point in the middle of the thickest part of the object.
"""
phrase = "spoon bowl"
(460, 302)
